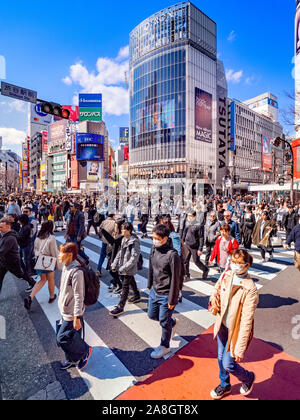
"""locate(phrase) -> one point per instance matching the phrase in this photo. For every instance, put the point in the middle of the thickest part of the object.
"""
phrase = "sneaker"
(117, 290)
(220, 392)
(134, 299)
(117, 311)
(83, 362)
(205, 274)
(160, 352)
(27, 303)
(52, 300)
(67, 365)
(111, 288)
(246, 389)
(30, 287)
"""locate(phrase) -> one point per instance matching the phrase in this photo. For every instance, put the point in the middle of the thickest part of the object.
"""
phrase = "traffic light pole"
(286, 143)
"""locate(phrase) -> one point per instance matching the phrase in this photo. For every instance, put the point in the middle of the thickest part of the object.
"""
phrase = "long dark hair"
(46, 230)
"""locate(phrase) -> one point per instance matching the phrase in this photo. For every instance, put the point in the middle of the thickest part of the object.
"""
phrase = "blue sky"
(60, 49)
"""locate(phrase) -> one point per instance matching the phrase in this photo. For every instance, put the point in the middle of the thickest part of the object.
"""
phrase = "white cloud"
(232, 36)
(12, 139)
(108, 79)
(123, 53)
(14, 106)
(234, 76)
(67, 80)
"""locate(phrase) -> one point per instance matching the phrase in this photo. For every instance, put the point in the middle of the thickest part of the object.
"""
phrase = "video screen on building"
(156, 116)
(203, 116)
(89, 147)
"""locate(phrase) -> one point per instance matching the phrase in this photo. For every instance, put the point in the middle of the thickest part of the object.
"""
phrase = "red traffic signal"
(55, 109)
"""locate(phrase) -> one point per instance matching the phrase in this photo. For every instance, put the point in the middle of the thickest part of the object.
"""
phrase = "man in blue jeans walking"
(76, 229)
(164, 285)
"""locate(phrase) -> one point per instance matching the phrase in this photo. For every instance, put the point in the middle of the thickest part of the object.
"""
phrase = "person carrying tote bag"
(45, 248)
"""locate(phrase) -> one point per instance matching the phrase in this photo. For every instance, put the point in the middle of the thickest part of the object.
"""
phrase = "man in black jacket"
(76, 232)
(290, 220)
(9, 254)
(164, 285)
(193, 238)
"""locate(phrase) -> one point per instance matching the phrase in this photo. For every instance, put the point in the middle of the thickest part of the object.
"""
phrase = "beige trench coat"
(241, 312)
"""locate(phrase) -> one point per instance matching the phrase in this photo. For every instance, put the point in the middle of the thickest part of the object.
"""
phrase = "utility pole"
(277, 143)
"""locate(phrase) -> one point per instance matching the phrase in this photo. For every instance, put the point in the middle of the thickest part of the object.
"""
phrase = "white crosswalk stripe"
(106, 375)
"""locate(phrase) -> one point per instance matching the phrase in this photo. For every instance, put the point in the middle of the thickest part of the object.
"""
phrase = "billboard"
(90, 100)
(74, 173)
(232, 127)
(203, 116)
(94, 171)
(74, 113)
(297, 32)
(296, 155)
(124, 135)
(45, 141)
(90, 114)
(89, 147)
(267, 154)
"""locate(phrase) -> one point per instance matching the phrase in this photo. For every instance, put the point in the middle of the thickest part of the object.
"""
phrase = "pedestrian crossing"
(122, 347)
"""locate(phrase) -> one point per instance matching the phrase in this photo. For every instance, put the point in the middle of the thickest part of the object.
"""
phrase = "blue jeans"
(158, 310)
(25, 256)
(70, 341)
(227, 364)
(73, 238)
(102, 256)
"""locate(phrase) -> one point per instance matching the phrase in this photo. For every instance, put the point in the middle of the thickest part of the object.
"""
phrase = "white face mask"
(157, 243)
(237, 269)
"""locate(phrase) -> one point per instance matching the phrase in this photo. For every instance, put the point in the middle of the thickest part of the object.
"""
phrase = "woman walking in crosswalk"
(233, 302)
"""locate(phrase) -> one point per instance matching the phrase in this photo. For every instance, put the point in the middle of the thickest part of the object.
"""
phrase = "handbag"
(44, 262)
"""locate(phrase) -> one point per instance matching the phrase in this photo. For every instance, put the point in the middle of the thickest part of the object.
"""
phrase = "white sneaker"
(160, 352)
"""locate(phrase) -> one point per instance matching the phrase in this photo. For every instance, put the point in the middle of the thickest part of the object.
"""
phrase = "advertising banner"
(232, 127)
(45, 141)
(43, 174)
(297, 32)
(296, 154)
(89, 147)
(57, 132)
(94, 171)
(90, 100)
(74, 173)
(21, 173)
(90, 114)
(74, 113)
(124, 135)
(126, 153)
(267, 154)
(203, 116)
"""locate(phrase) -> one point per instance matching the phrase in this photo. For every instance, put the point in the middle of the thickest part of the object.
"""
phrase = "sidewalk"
(193, 373)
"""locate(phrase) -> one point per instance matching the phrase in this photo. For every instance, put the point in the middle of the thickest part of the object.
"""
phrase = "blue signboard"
(124, 135)
(89, 147)
(90, 100)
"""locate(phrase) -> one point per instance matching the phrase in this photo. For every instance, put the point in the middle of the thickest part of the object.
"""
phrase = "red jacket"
(233, 245)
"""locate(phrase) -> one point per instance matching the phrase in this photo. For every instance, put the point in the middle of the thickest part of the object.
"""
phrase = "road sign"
(18, 92)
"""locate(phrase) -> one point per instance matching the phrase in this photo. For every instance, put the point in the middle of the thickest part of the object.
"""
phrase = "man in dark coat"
(9, 254)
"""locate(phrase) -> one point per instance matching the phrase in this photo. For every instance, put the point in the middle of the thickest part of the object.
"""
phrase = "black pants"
(127, 281)
(90, 224)
(209, 249)
(197, 261)
(264, 250)
(17, 271)
(144, 226)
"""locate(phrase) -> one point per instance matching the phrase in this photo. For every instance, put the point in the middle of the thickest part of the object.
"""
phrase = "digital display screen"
(87, 152)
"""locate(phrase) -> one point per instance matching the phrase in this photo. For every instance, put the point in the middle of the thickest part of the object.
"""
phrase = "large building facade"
(174, 75)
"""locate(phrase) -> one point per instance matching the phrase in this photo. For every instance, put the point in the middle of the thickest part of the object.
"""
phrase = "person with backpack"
(25, 244)
(233, 302)
(45, 245)
(126, 264)
(164, 282)
(71, 303)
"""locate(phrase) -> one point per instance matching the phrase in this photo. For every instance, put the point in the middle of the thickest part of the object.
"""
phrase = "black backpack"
(92, 285)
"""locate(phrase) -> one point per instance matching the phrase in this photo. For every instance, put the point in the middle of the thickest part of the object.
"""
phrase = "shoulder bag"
(44, 262)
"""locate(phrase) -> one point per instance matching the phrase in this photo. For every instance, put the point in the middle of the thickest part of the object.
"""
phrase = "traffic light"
(55, 109)
(277, 142)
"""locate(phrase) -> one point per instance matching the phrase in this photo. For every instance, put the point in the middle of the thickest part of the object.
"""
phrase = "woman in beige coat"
(45, 244)
(233, 302)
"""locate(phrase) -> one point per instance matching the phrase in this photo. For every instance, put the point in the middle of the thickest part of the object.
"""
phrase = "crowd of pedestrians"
(215, 233)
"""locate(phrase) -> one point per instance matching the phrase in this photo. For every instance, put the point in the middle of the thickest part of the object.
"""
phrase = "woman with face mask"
(233, 302)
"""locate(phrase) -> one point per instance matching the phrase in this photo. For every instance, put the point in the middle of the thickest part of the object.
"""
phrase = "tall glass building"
(174, 75)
